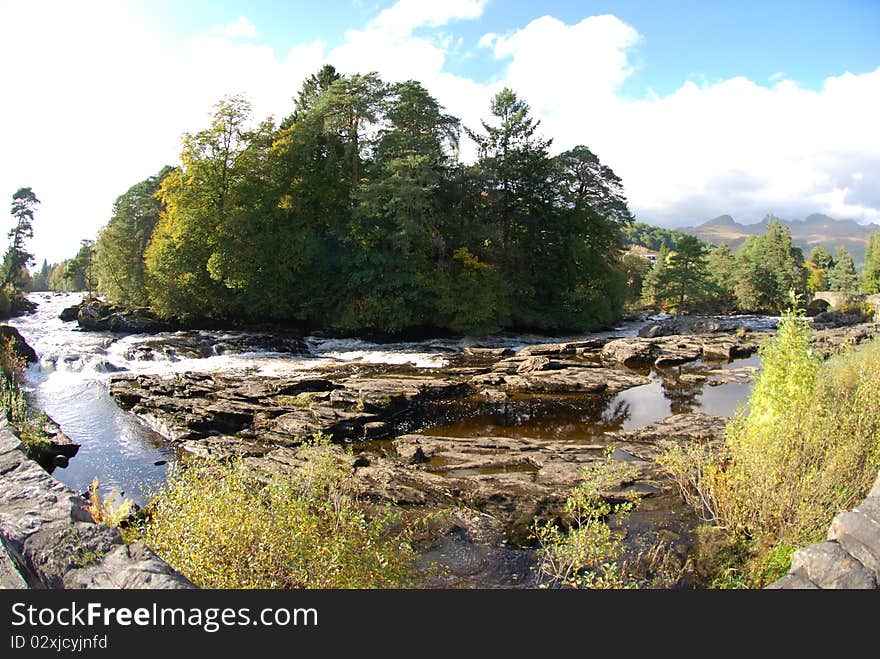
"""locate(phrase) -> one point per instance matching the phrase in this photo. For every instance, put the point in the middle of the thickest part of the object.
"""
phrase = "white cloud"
(732, 146)
(101, 97)
(406, 15)
(104, 97)
(240, 29)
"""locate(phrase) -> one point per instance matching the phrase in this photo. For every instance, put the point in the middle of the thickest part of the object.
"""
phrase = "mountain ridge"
(814, 230)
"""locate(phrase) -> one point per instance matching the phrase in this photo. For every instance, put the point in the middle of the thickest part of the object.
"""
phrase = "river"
(70, 383)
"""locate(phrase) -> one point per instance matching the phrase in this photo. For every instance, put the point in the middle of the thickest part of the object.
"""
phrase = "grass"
(808, 448)
(30, 422)
(224, 528)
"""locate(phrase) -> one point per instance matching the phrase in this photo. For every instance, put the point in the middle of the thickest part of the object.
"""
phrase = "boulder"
(98, 315)
(630, 352)
(20, 347)
(688, 325)
(69, 314)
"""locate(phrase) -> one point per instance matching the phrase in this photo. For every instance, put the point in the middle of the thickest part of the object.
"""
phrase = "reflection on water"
(586, 417)
(70, 384)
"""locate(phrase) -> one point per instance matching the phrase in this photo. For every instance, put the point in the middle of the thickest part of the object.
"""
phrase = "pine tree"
(843, 277)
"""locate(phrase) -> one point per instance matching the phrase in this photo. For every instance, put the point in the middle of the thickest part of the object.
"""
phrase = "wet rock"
(103, 316)
(488, 352)
(532, 364)
(829, 341)
(566, 379)
(69, 314)
(568, 348)
(835, 319)
(52, 540)
(20, 347)
(630, 352)
(688, 325)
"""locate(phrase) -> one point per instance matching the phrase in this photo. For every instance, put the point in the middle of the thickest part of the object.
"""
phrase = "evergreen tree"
(769, 268)
(17, 258)
(842, 276)
(871, 275)
(684, 281)
(121, 244)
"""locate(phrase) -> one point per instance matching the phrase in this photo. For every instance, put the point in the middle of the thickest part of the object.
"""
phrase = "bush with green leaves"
(807, 447)
(223, 527)
(583, 551)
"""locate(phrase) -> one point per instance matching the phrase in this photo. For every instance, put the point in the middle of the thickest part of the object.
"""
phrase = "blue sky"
(808, 40)
(701, 107)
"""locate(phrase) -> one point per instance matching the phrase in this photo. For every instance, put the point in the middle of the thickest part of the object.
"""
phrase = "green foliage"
(355, 214)
(634, 270)
(768, 268)
(29, 422)
(821, 258)
(808, 448)
(583, 551)
(106, 510)
(684, 281)
(842, 277)
(871, 275)
(119, 249)
(722, 273)
(223, 528)
(17, 258)
(646, 235)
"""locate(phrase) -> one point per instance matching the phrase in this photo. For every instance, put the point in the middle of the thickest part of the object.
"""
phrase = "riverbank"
(495, 429)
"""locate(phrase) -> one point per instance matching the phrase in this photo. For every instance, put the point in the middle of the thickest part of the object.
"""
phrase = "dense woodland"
(355, 213)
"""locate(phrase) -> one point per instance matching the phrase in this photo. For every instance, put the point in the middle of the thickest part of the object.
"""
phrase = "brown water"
(587, 417)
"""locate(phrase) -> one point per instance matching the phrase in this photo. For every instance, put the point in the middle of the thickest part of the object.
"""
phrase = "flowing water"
(70, 383)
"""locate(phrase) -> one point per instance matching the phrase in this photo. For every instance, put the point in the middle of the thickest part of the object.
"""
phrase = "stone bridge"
(835, 298)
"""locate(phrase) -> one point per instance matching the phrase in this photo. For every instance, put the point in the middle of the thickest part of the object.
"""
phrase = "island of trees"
(355, 213)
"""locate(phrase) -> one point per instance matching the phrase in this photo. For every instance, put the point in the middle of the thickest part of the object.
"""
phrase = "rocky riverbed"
(414, 441)
(482, 436)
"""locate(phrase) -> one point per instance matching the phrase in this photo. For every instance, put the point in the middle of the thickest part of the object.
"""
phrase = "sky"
(702, 108)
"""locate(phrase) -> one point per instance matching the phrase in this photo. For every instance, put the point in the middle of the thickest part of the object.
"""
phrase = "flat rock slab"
(559, 378)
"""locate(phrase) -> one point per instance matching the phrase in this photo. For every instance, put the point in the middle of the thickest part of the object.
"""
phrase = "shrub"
(223, 527)
(29, 422)
(808, 448)
(106, 510)
(583, 552)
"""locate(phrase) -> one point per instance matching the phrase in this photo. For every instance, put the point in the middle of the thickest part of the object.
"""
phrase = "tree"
(635, 269)
(121, 244)
(871, 275)
(821, 258)
(312, 89)
(684, 280)
(722, 275)
(17, 258)
(79, 270)
(842, 276)
(769, 268)
(208, 240)
(395, 224)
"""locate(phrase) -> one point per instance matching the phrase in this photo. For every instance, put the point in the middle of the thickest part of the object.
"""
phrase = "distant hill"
(808, 233)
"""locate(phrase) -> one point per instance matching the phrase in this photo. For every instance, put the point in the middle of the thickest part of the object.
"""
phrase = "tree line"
(758, 277)
(356, 213)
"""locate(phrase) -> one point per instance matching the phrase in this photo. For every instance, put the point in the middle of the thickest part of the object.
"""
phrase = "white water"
(70, 383)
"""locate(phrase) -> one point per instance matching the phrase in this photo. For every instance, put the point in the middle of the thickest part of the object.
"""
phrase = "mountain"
(814, 230)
